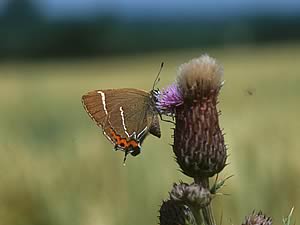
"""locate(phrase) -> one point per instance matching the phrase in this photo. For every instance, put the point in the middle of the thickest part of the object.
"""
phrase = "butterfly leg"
(125, 157)
(162, 119)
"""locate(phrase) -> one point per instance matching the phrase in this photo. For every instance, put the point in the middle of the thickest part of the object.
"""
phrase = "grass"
(57, 168)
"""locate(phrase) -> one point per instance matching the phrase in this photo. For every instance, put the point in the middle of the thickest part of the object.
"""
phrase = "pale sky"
(145, 8)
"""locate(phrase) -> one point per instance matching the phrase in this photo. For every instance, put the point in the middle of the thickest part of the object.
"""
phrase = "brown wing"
(129, 112)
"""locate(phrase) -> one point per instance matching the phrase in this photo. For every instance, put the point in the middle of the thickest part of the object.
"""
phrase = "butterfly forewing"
(93, 104)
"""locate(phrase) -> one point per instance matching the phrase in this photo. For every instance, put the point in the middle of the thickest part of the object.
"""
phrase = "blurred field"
(56, 168)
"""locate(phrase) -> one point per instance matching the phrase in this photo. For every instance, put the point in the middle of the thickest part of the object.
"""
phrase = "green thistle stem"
(207, 214)
(197, 215)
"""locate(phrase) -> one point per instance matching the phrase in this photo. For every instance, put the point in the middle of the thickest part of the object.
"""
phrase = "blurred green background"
(56, 167)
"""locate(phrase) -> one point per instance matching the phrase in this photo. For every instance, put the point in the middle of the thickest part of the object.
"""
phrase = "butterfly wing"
(126, 115)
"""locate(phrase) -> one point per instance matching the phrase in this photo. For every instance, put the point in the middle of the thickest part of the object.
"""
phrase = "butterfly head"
(154, 95)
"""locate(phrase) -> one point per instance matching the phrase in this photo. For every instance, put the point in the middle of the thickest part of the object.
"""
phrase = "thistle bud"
(198, 140)
(175, 213)
(192, 195)
(257, 219)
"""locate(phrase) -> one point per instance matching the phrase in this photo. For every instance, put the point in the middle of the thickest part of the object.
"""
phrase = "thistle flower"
(169, 99)
(175, 213)
(191, 195)
(198, 140)
(257, 219)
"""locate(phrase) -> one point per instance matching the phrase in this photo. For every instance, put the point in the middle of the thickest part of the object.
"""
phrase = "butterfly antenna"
(157, 79)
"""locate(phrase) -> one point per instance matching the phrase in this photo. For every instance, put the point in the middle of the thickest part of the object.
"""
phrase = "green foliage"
(288, 220)
(218, 184)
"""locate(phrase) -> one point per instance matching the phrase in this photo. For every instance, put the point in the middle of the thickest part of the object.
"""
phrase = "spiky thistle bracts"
(192, 195)
(257, 219)
(198, 140)
(175, 213)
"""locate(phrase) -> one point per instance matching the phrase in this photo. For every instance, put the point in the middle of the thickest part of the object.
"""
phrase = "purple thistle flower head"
(169, 99)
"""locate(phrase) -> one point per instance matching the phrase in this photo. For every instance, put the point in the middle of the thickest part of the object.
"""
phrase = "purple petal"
(169, 99)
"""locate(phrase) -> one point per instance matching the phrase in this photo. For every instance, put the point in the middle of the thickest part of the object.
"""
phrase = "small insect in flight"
(250, 91)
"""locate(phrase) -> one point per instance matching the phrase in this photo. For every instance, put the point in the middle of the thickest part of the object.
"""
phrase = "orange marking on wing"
(122, 141)
(112, 132)
(133, 143)
(114, 135)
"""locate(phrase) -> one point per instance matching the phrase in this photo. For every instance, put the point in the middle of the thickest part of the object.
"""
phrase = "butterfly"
(126, 115)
